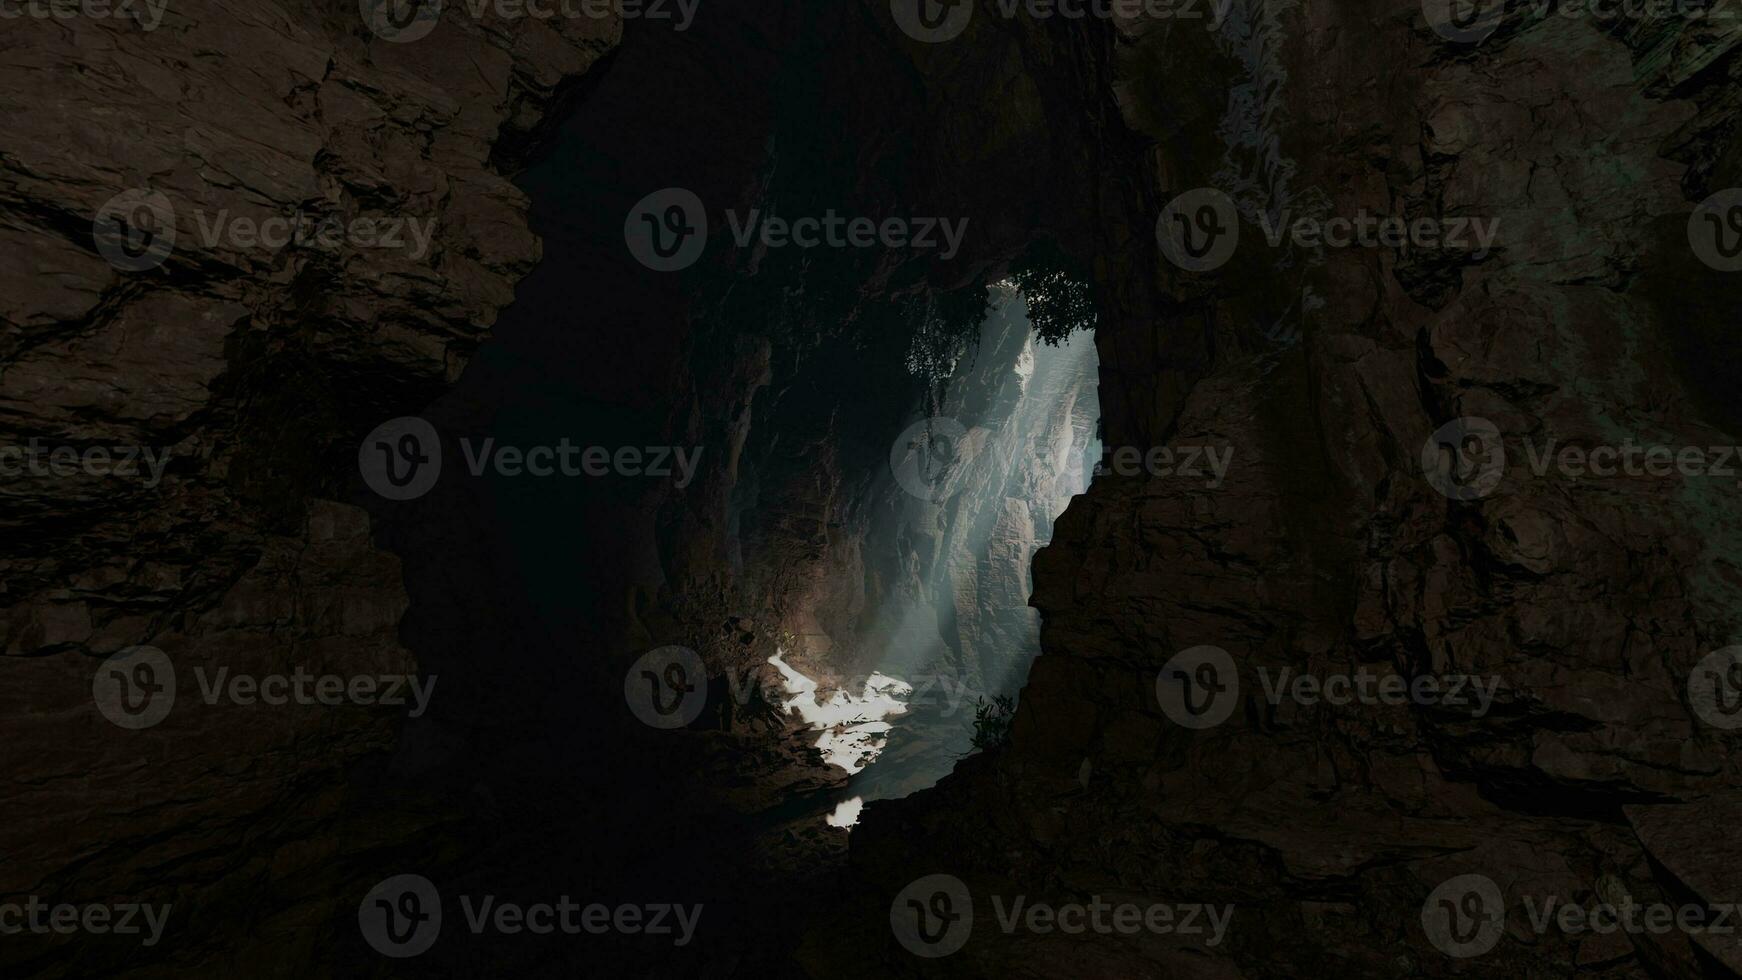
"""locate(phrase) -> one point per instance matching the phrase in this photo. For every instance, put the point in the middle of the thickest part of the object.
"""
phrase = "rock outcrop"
(1328, 550)
(242, 235)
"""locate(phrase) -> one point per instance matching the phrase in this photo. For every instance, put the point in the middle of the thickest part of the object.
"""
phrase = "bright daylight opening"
(952, 635)
(852, 728)
(847, 812)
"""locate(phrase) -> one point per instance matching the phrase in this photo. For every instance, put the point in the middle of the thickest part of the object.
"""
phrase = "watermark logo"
(1464, 21)
(1458, 691)
(1465, 458)
(330, 232)
(134, 231)
(667, 688)
(1474, 21)
(1199, 230)
(1464, 916)
(936, 21)
(1715, 688)
(402, 916)
(1615, 910)
(933, 916)
(1365, 229)
(667, 230)
(303, 688)
(148, 14)
(42, 918)
(401, 459)
(135, 688)
(401, 21)
(836, 230)
(1207, 463)
(128, 462)
(929, 457)
(932, 21)
(1198, 688)
(1715, 230)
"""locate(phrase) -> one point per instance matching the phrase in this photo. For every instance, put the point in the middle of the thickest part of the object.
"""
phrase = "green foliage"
(949, 328)
(1060, 299)
(992, 721)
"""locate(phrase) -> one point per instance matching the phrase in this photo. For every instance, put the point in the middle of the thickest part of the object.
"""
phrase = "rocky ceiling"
(422, 423)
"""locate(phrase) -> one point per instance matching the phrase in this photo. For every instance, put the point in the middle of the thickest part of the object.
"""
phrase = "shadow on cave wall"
(788, 369)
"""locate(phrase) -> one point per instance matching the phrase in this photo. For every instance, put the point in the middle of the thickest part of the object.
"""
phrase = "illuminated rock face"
(262, 371)
(1329, 551)
(852, 725)
(1322, 371)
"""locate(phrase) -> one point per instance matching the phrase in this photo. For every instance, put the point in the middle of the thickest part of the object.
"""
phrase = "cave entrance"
(974, 487)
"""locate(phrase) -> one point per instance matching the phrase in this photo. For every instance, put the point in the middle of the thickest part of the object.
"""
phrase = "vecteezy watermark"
(1465, 459)
(126, 462)
(1208, 463)
(934, 916)
(930, 457)
(1715, 688)
(667, 687)
(1715, 230)
(41, 918)
(135, 231)
(403, 21)
(1367, 230)
(136, 688)
(1474, 21)
(328, 232)
(667, 231)
(303, 688)
(1460, 691)
(1464, 21)
(146, 13)
(932, 21)
(1465, 916)
(1200, 229)
(936, 21)
(402, 459)
(402, 917)
(1199, 688)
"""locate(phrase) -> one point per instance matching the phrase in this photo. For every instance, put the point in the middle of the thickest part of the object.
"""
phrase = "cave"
(927, 488)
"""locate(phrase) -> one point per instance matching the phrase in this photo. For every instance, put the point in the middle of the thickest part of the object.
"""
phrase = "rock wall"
(1328, 550)
(256, 369)
(258, 353)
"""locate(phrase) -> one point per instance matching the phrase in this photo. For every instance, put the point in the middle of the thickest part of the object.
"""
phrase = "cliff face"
(975, 484)
(1587, 601)
(257, 345)
(248, 368)
(252, 358)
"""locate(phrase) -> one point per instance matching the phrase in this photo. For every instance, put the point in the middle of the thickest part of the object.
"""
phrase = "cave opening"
(795, 375)
(930, 673)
